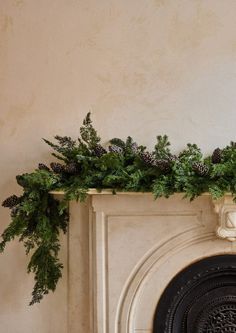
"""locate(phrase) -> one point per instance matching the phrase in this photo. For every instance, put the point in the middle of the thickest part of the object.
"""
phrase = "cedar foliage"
(37, 218)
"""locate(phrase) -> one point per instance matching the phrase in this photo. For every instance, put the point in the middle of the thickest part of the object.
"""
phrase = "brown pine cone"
(99, 150)
(200, 168)
(11, 201)
(163, 165)
(72, 168)
(57, 167)
(148, 158)
(216, 156)
(42, 166)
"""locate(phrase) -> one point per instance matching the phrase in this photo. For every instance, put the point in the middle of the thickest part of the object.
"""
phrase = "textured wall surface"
(142, 67)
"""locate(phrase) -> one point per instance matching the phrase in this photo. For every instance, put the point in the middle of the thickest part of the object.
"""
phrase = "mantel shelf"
(94, 191)
(225, 208)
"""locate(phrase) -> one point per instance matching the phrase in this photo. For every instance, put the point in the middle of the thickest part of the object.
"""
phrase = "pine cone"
(163, 165)
(57, 167)
(11, 201)
(99, 150)
(216, 156)
(200, 168)
(115, 149)
(42, 166)
(20, 180)
(72, 168)
(147, 158)
(172, 158)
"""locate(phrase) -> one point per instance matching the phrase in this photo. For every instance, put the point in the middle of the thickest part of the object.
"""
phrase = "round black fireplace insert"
(200, 299)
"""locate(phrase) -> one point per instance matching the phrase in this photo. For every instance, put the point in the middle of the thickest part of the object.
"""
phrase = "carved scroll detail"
(226, 209)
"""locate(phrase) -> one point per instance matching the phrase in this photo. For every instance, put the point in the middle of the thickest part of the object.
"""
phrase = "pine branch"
(162, 147)
(88, 132)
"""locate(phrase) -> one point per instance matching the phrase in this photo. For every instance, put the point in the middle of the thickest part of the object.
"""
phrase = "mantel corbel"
(226, 210)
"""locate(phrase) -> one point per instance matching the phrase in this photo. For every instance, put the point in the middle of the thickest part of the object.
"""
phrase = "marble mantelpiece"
(124, 249)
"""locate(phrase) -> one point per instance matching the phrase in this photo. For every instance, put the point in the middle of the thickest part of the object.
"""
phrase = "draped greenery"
(37, 217)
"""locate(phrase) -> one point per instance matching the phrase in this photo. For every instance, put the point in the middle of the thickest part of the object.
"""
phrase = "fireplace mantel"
(124, 249)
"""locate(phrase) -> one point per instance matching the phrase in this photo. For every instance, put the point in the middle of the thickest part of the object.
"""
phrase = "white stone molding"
(226, 210)
(124, 249)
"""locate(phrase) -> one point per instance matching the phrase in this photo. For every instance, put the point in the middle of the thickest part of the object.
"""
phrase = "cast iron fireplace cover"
(200, 299)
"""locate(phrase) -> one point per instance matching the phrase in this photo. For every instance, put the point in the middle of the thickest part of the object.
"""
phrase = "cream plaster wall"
(143, 67)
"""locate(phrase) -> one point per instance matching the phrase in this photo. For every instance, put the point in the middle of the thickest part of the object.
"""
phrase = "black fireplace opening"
(200, 299)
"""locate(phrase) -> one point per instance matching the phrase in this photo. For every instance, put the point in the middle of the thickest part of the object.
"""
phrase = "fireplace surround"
(134, 264)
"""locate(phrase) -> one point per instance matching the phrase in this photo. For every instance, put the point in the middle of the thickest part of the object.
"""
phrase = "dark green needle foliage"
(37, 218)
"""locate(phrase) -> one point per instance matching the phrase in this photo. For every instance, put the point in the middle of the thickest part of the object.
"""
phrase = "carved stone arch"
(145, 285)
(200, 299)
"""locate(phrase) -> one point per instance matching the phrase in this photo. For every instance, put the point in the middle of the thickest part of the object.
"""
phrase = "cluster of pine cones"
(70, 168)
(202, 169)
(73, 167)
(148, 158)
(99, 150)
(163, 165)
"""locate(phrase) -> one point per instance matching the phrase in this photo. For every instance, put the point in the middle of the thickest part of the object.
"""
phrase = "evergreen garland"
(37, 218)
